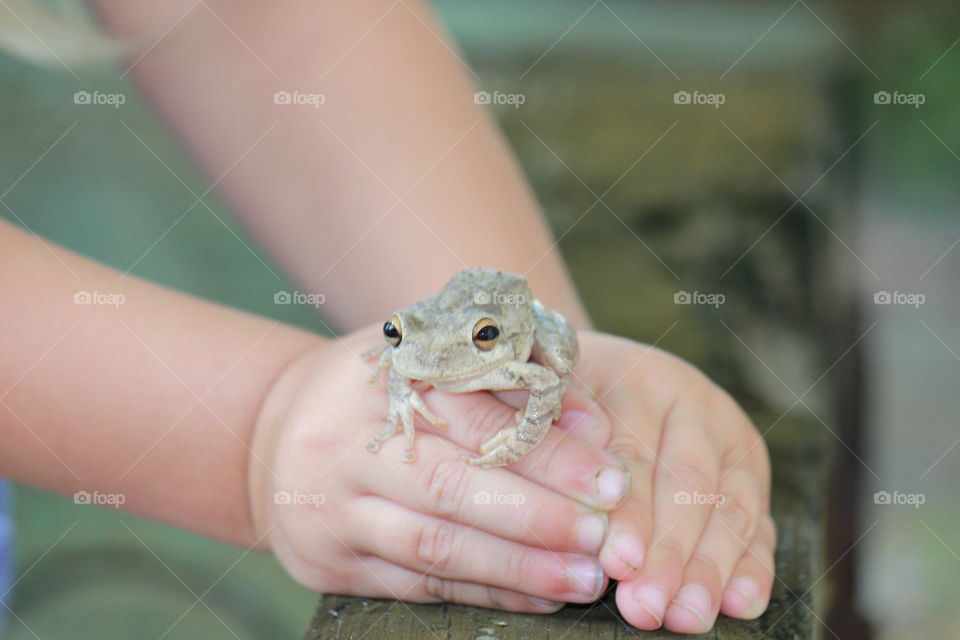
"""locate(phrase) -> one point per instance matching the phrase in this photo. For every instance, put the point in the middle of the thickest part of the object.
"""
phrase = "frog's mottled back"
(483, 288)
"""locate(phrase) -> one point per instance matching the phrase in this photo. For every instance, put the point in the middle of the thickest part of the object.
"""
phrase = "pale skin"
(112, 405)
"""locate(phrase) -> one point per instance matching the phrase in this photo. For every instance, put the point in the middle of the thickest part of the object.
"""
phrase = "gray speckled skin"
(536, 350)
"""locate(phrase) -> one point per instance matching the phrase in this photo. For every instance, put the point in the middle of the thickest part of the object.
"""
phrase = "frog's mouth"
(446, 379)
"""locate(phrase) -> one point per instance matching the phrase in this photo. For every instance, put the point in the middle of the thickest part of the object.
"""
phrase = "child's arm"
(116, 387)
(320, 188)
(154, 398)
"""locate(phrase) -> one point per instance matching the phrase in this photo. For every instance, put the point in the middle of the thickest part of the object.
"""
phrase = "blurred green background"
(801, 94)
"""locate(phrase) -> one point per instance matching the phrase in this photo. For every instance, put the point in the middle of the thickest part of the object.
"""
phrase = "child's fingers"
(453, 551)
(397, 583)
(748, 591)
(631, 525)
(497, 501)
(564, 463)
(730, 529)
(687, 474)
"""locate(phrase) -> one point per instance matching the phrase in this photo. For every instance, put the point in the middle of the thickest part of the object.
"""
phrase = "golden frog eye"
(485, 334)
(392, 331)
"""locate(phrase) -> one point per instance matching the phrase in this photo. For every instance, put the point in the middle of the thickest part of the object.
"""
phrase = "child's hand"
(344, 520)
(697, 520)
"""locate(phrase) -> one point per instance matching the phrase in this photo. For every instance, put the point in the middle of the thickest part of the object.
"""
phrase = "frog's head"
(455, 344)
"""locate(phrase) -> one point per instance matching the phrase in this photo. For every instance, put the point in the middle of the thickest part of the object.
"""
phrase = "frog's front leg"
(384, 359)
(546, 391)
(404, 401)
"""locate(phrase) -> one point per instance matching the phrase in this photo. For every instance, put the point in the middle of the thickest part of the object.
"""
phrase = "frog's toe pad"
(502, 436)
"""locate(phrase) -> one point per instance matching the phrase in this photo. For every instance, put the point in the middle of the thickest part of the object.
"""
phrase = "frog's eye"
(485, 334)
(392, 331)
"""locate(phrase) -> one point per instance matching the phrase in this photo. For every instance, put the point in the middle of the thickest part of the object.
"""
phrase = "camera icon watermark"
(496, 97)
(914, 300)
(299, 98)
(899, 98)
(696, 97)
(697, 297)
(896, 498)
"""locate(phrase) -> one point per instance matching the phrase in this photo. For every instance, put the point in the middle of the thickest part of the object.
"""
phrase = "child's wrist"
(267, 430)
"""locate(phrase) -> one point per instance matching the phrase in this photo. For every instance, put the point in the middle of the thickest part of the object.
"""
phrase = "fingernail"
(652, 600)
(612, 485)
(591, 532)
(748, 589)
(545, 605)
(629, 549)
(586, 577)
(696, 600)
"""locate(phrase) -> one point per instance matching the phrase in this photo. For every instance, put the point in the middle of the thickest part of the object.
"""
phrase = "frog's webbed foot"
(534, 420)
(418, 405)
(507, 446)
(399, 415)
(404, 402)
(555, 411)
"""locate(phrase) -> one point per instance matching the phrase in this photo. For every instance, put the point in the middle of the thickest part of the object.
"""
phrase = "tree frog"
(482, 331)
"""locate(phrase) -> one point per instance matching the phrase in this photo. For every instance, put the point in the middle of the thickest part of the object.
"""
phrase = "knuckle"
(485, 418)
(630, 450)
(675, 551)
(739, 515)
(438, 589)
(500, 600)
(709, 565)
(445, 483)
(518, 566)
(691, 478)
(434, 546)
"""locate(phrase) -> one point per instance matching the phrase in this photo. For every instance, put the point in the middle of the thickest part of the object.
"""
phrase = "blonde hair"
(53, 34)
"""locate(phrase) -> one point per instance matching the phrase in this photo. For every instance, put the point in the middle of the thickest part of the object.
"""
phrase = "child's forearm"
(115, 386)
(320, 188)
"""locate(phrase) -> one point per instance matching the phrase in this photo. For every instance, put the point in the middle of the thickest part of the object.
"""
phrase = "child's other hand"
(344, 520)
(694, 537)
